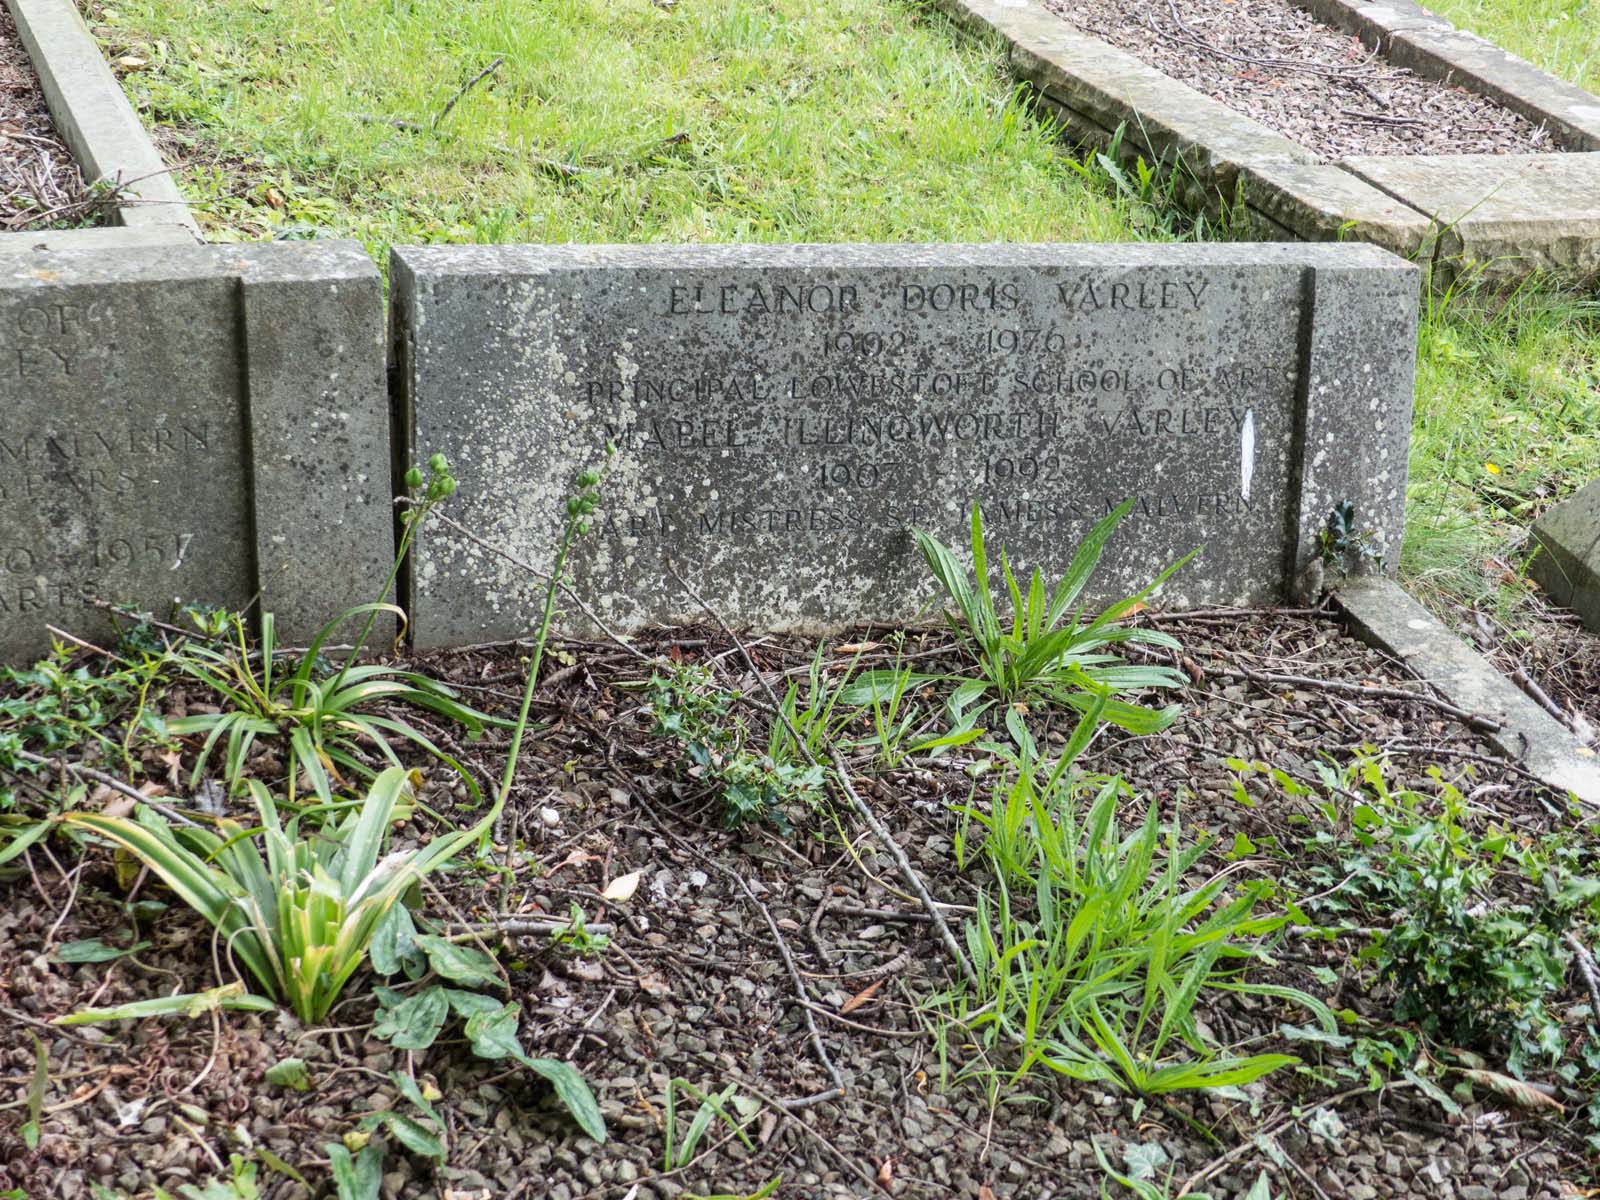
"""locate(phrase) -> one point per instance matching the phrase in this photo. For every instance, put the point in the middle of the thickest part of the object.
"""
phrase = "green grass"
(1507, 420)
(1562, 36)
(609, 120)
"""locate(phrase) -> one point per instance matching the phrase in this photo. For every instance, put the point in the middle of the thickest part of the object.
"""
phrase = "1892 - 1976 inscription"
(784, 415)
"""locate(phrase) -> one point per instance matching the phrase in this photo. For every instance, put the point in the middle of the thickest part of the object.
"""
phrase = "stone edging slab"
(1504, 215)
(1381, 613)
(105, 135)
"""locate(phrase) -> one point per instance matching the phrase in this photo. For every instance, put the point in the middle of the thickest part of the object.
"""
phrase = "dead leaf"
(623, 887)
(985, 1192)
(576, 859)
(1514, 1090)
(886, 1174)
(860, 998)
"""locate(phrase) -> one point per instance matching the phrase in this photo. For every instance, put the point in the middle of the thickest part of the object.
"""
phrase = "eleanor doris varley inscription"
(784, 415)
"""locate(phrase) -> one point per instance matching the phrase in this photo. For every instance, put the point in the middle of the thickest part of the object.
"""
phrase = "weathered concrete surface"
(1506, 215)
(312, 318)
(1322, 203)
(1359, 372)
(136, 382)
(1382, 613)
(104, 237)
(94, 117)
(785, 415)
(1566, 563)
(1543, 221)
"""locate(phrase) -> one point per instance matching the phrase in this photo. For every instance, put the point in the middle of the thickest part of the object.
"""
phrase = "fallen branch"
(1586, 968)
(100, 777)
(467, 87)
(1539, 696)
(805, 1005)
(842, 776)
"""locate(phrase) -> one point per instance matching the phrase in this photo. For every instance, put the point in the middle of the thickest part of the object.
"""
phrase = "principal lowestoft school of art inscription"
(784, 415)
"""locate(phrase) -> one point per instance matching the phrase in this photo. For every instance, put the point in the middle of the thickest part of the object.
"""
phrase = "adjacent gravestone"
(190, 423)
(1566, 562)
(784, 415)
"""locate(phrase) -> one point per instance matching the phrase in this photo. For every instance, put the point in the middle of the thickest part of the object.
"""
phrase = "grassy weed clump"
(1047, 650)
(1095, 947)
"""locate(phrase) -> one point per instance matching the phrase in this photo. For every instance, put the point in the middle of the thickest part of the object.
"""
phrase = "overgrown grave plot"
(40, 184)
(676, 974)
(1280, 65)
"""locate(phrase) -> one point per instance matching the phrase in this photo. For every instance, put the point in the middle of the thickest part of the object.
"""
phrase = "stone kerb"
(100, 127)
(785, 414)
(190, 423)
(1500, 217)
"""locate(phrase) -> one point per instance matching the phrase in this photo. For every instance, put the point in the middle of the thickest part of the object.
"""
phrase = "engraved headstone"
(785, 414)
(191, 423)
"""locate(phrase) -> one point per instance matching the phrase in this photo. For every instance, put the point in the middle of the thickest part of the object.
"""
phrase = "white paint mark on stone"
(1247, 453)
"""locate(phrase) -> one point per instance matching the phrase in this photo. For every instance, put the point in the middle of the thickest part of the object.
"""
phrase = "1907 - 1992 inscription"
(784, 415)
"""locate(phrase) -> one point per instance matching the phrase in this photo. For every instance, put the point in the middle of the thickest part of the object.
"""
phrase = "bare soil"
(40, 184)
(693, 984)
(1318, 86)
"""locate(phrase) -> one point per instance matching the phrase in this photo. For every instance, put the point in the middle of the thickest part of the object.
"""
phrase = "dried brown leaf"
(860, 998)
(1514, 1090)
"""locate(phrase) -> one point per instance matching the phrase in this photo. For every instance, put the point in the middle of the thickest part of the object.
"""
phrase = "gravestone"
(784, 415)
(190, 423)
(1566, 562)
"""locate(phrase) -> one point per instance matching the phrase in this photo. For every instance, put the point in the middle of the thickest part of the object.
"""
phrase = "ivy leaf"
(493, 1032)
(413, 1023)
(468, 1004)
(459, 964)
(393, 945)
(1145, 1159)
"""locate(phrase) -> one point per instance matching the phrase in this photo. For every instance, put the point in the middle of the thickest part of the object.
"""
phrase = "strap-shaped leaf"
(372, 828)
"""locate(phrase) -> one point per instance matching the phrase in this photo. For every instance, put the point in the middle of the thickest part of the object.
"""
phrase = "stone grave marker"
(785, 414)
(190, 423)
(1566, 562)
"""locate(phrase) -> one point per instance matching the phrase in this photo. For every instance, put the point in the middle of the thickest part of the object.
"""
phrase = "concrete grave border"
(1381, 613)
(103, 132)
(1462, 213)
(1287, 193)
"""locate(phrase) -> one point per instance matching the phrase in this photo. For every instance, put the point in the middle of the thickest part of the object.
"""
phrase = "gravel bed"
(40, 184)
(1318, 86)
(694, 986)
